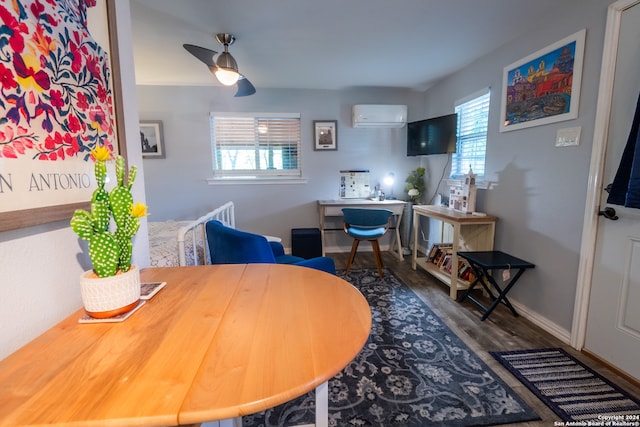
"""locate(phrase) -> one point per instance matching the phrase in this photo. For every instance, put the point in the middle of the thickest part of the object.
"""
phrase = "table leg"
(414, 252)
(322, 405)
(502, 295)
(230, 422)
(482, 276)
(453, 289)
(322, 211)
(479, 273)
(398, 243)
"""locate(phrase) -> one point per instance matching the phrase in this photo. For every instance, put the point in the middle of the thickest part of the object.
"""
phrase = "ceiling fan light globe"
(227, 77)
(225, 60)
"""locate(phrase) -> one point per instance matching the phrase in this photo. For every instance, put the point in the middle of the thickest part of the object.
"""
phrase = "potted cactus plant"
(112, 287)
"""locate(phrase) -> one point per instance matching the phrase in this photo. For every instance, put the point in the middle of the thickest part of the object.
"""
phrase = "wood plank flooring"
(500, 332)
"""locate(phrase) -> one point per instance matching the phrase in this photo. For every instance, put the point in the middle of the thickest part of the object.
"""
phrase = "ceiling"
(327, 44)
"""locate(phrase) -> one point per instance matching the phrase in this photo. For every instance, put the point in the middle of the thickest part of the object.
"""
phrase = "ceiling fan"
(224, 67)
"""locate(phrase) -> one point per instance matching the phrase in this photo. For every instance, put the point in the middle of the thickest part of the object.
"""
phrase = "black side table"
(481, 263)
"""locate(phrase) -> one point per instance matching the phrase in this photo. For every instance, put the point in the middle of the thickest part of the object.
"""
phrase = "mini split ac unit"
(379, 116)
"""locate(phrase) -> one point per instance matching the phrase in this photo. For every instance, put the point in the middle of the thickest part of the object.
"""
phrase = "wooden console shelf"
(470, 233)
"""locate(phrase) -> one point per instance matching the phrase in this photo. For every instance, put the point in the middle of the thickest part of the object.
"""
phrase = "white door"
(613, 320)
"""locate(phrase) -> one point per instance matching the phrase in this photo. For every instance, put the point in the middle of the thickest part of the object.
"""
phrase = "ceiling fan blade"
(204, 55)
(245, 88)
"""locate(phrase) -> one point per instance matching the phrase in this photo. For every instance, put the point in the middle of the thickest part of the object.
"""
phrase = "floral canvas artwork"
(56, 103)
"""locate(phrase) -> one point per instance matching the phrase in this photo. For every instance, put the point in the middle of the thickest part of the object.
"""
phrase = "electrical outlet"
(568, 136)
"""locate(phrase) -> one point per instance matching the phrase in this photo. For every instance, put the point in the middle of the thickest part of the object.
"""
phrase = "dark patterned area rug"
(571, 389)
(413, 371)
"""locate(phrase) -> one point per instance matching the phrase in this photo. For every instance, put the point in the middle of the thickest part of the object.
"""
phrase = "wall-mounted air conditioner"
(379, 116)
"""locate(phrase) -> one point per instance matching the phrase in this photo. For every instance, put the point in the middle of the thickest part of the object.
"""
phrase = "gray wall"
(541, 189)
(177, 187)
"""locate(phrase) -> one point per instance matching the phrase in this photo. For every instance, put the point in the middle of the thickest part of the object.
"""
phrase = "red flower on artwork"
(82, 102)
(102, 93)
(55, 97)
(15, 29)
(74, 124)
(37, 9)
(7, 79)
(50, 142)
(76, 57)
(94, 68)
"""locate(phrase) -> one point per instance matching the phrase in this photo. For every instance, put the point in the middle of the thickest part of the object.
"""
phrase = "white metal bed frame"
(190, 234)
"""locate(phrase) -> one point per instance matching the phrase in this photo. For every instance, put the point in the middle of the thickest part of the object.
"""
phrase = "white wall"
(41, 265)
(541, 189)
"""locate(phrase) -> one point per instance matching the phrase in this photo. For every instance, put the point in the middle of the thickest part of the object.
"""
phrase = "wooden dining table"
(217, 342)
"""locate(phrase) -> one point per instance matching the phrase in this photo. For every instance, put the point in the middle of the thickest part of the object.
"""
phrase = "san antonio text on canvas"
(545, 86)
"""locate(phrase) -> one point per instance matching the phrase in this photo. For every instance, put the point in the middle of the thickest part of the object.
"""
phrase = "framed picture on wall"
(543, 87)
(151, 139)
(46, 167)
(325, 135)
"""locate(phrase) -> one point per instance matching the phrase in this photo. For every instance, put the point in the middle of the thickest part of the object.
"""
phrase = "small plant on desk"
(415, 185)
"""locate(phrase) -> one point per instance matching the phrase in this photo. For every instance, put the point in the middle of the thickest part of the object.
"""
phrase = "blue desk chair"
(231, 246)
(366, 224)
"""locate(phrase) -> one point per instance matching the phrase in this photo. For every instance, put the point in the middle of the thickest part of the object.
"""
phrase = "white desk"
(334, 208)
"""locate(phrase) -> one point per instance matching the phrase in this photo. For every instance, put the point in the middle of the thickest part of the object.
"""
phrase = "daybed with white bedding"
(179, 243)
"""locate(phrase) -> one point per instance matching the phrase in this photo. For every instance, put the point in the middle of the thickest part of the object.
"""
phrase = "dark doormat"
(571, 389)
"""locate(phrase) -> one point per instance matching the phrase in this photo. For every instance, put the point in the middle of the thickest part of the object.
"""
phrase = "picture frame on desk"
(325, 135)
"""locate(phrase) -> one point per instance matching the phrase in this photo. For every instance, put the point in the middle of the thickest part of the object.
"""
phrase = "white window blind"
(254, 145)
(471, 145)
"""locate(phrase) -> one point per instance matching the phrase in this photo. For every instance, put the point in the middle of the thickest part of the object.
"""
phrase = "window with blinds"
(253, 145)
(471, 146)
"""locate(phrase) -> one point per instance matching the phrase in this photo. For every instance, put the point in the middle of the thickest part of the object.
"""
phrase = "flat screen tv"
(432, 136)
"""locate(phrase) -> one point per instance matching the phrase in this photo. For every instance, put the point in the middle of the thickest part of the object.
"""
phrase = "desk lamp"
(388, 182)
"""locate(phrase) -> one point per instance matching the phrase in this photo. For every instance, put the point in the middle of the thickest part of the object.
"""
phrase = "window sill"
(254, 181)
(480, 183)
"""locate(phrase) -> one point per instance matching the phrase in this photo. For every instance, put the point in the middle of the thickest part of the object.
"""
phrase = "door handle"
(608, 213)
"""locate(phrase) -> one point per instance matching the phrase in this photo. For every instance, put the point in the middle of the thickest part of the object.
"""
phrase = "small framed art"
(325, 135)
(151, 139)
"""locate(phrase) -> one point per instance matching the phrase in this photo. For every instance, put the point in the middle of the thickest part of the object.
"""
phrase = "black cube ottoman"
(306, 242)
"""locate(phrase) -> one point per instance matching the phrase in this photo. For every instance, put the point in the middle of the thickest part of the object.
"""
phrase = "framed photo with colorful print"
(543, 87)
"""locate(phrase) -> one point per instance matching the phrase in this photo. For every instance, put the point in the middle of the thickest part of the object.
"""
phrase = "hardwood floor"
(500, 332)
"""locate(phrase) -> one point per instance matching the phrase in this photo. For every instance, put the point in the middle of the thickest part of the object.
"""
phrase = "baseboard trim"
(542, 322)
(628, 377)
(361, 248)
(524, 311)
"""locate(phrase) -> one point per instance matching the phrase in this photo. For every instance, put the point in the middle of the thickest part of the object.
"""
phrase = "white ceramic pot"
(105, 297)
